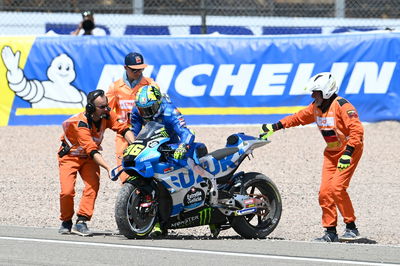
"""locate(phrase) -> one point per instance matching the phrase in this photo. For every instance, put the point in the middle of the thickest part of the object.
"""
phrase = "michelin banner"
(212, 79)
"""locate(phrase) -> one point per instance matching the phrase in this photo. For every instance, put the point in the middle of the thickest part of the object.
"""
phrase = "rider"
(151, 105)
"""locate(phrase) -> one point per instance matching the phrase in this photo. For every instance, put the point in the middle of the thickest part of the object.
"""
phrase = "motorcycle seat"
(224, 152)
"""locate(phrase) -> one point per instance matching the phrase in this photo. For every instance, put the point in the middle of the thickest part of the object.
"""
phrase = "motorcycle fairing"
(201, 216)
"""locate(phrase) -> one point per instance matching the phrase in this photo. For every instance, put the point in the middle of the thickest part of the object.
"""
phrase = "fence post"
(271, 7)
(137, 6)
(203, 9)
(340, 7)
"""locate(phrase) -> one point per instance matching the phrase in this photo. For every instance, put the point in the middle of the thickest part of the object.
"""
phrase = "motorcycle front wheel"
(134, 214)
(262, 223)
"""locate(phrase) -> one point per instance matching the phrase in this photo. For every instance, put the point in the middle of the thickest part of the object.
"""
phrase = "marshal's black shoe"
(350, 235)
(80, 228)
(65, 228)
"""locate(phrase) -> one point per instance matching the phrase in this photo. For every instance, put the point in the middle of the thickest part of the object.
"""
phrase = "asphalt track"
(44, 246)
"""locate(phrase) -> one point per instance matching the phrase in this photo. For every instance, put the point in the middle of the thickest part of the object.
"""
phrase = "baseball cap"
(135, 61)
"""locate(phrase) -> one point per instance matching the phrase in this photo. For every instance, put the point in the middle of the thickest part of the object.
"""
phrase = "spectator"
(88, 27)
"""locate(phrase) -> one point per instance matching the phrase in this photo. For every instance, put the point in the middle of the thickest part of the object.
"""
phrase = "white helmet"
(323, 82)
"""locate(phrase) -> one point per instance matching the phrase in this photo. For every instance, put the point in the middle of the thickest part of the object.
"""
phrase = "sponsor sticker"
(153, 144)
(246, 211)
(194, 195)
(205, 216)
(185, 222)
(169, 169)
(248, 201)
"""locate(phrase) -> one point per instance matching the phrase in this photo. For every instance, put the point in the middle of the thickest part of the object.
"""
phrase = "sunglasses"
(136, 70)
(102, 106)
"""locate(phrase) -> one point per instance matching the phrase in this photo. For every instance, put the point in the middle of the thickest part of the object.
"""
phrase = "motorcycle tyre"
(121, 216)
(241, 225)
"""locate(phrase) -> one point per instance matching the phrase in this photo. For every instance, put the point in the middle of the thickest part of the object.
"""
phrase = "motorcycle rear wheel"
(133, 221)
(261, 224)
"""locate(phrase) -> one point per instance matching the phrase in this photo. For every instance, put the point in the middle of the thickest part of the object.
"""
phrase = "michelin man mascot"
(57, 92)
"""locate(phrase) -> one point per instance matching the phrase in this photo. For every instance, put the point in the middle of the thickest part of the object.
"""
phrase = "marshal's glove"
(345, 159)
(180, 151)
(344, 162)
(266, 131)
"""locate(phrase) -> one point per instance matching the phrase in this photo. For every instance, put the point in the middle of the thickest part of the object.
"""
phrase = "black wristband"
(277, 126)
(92, 153)
(124, 132)
(349, 150)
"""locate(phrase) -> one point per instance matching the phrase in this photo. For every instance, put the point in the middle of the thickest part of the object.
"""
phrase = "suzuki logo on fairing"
(185, 181)
(222, 165)
(227, 162)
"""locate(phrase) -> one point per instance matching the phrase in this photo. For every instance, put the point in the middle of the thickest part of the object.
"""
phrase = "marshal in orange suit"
(340, 126)
(121, 96)
(80, 153)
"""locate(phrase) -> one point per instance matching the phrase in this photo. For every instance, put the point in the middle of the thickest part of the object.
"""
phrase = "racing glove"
(180, 151)
(345, 159)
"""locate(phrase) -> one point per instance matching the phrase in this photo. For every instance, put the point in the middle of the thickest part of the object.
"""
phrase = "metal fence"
(382, 13)
(286, 8)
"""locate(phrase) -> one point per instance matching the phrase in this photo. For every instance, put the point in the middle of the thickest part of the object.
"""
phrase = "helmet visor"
(149, 111)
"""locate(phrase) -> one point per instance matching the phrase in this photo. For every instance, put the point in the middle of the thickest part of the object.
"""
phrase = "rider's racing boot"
(215, 230)
(158, 232)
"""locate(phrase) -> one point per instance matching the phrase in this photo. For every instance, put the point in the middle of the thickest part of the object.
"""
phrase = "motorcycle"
(202, 189)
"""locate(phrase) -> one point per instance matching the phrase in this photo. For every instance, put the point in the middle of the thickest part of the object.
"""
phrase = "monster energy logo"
(205, 216)
(131, 178)
(156, 92)
(163, 132)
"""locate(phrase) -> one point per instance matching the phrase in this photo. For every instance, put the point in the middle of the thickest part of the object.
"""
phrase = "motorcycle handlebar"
(167, 151)
(114, 175)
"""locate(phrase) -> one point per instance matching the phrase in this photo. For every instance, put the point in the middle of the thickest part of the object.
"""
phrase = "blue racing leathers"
(171, 118)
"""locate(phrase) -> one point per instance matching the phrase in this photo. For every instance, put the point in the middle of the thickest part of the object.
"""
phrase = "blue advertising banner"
(212, 79)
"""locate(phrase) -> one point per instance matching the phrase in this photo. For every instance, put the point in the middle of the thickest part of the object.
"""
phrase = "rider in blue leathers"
(151, 105)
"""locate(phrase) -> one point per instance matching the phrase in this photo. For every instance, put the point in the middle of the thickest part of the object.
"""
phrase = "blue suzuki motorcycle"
(202, 189)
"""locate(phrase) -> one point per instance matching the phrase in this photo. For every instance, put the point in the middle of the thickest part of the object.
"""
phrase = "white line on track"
(195, 251)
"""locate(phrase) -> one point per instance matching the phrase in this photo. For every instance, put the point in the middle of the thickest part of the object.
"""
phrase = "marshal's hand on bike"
(266, 131)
